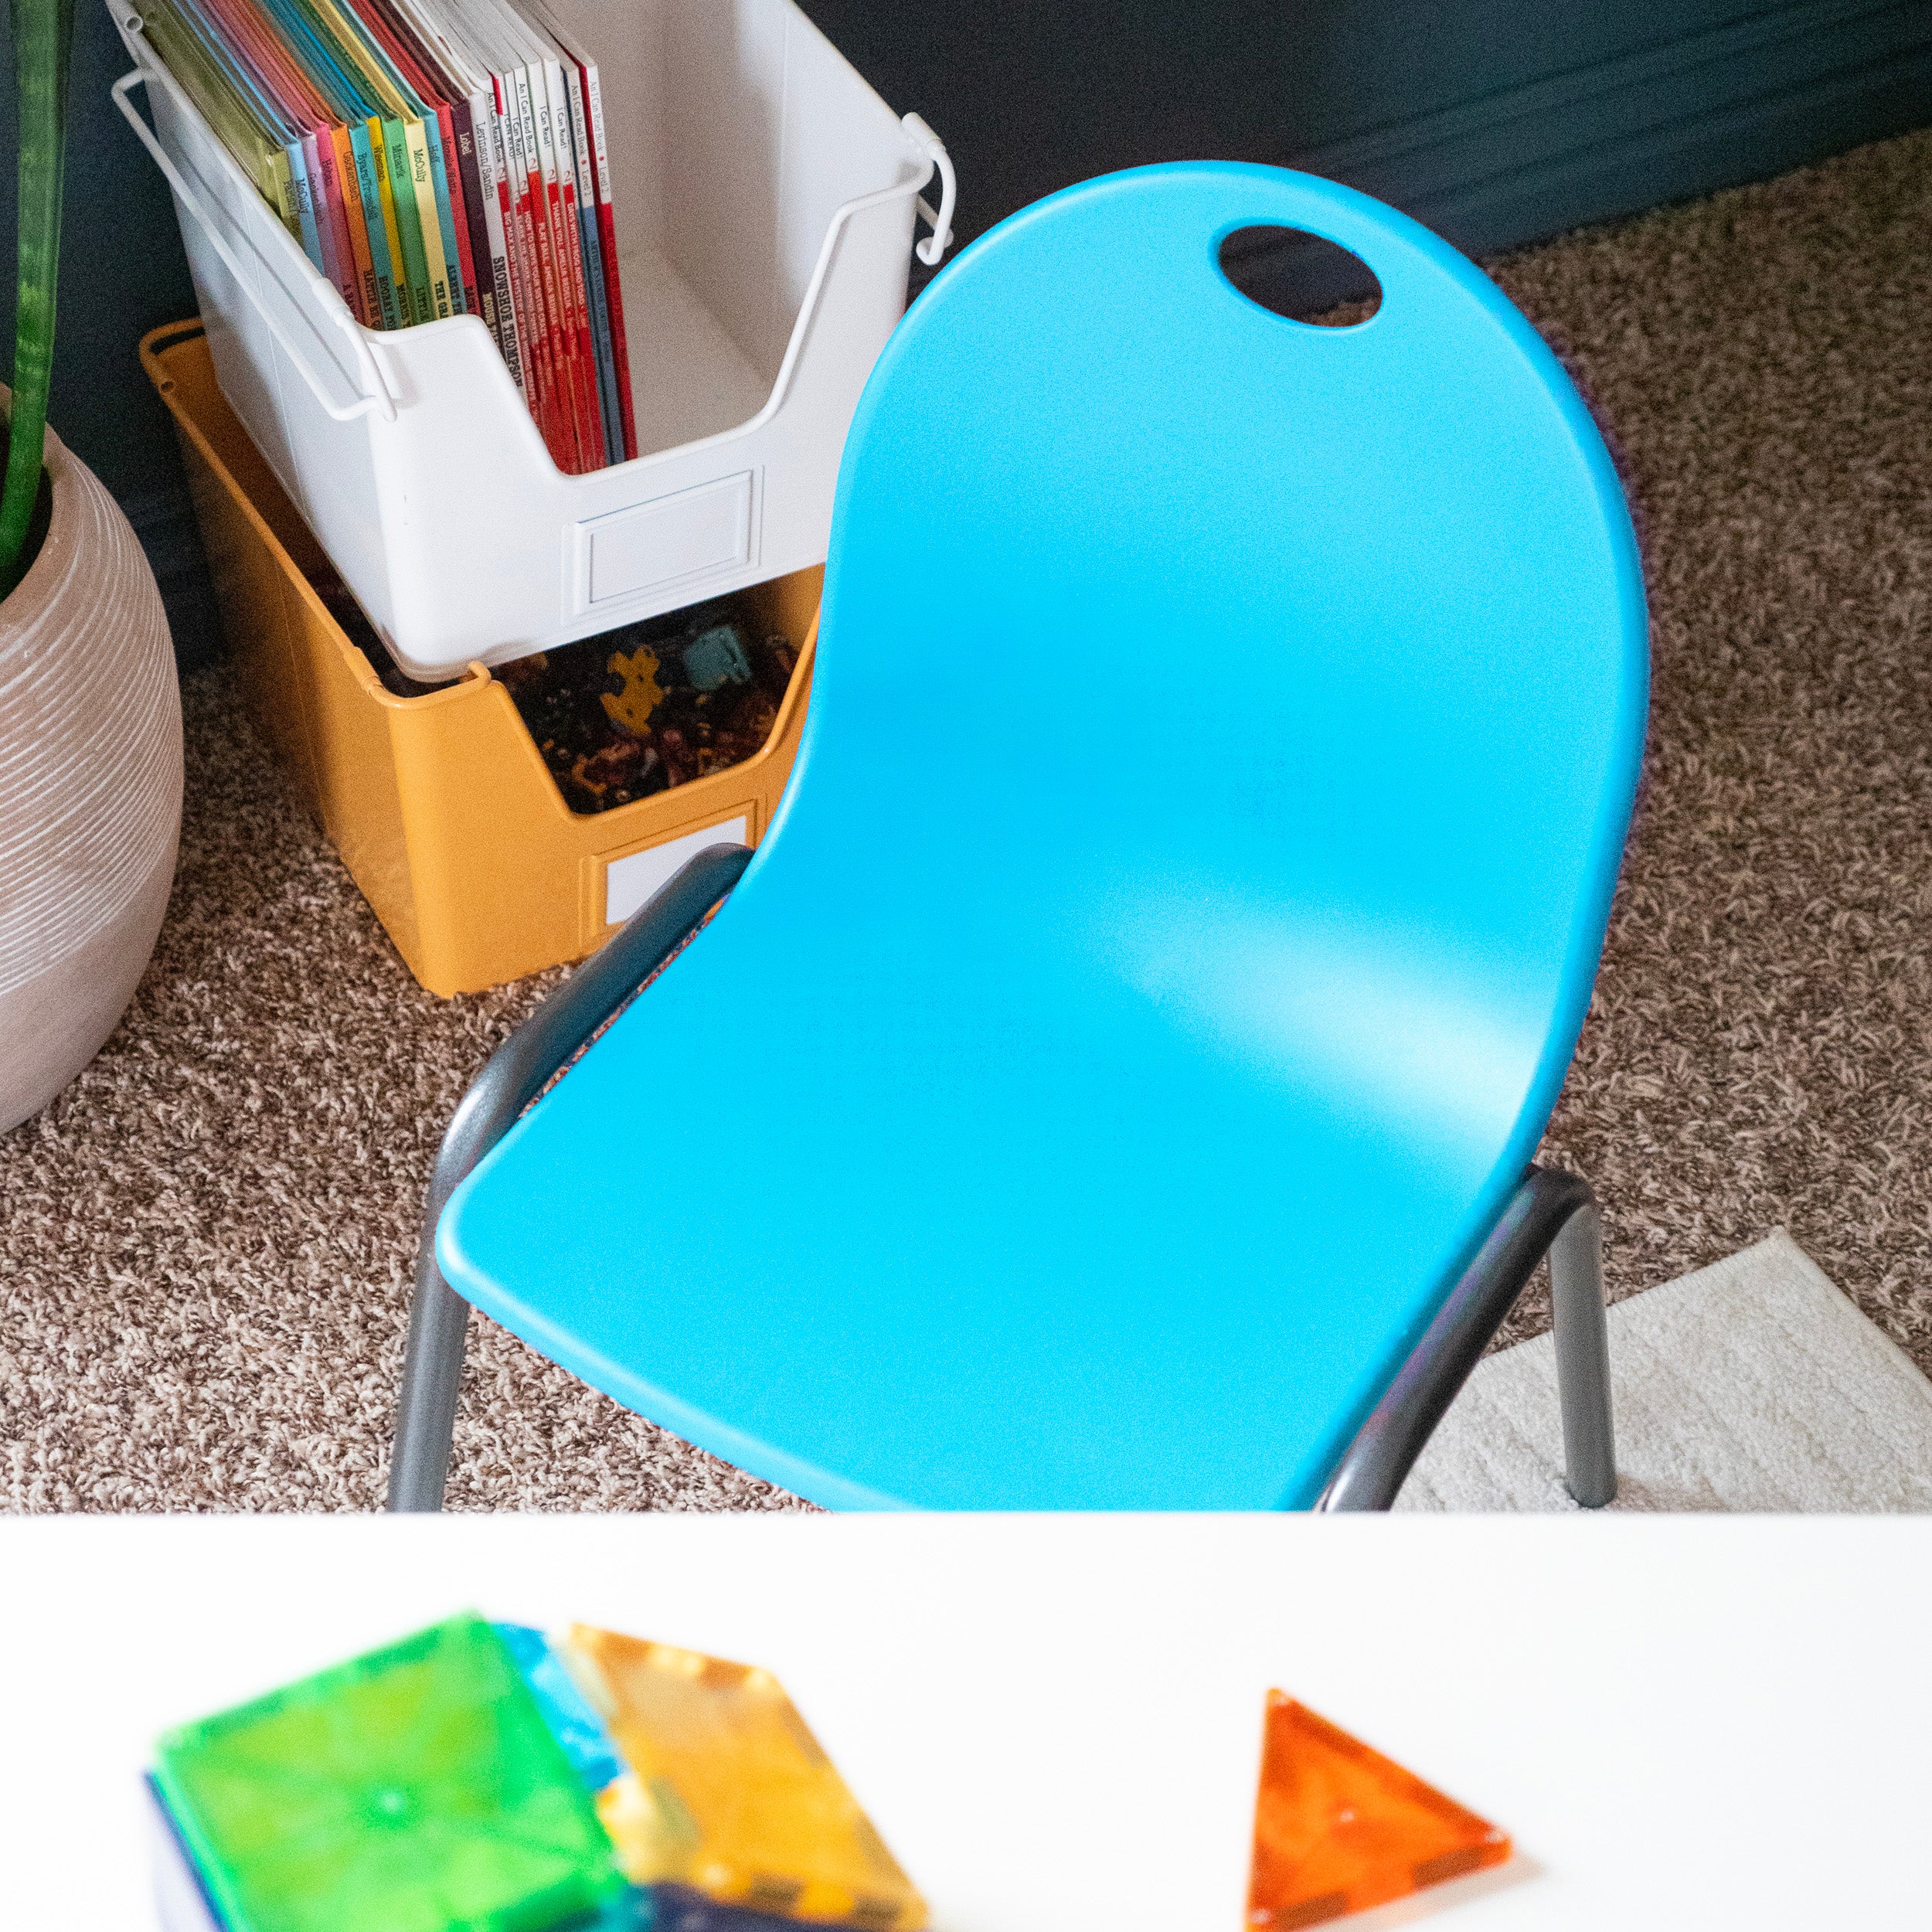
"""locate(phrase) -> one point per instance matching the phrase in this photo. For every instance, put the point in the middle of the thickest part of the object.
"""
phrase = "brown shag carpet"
(205, 1244)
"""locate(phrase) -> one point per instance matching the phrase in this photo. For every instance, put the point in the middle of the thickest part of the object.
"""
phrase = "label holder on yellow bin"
(618, 882)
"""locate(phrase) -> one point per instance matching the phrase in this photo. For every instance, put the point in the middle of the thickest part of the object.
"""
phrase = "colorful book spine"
(338, 243)
(385, 245)
(433, 159)
(369, 310)
(513, 308)
(607, 238)
(562, 191)
(463, 197)
(302, 200)
(532, 211)
(409, 220)
(434, 213)
(593, 258)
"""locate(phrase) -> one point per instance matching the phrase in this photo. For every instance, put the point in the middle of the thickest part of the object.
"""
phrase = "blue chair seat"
(1172, 941)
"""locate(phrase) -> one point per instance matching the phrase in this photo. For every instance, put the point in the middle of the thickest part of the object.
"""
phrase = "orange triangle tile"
(1338, 1828)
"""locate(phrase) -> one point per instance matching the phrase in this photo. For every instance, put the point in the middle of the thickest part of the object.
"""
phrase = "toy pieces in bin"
(417, 1788)
(1339, 1828)
(633, 712)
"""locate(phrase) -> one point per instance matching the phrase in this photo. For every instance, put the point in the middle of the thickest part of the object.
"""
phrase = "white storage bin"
(764, 198)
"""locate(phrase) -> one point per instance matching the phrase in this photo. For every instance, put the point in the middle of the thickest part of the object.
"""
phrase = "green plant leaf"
(42, 42)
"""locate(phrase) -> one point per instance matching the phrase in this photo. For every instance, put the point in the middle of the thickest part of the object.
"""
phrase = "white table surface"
(1707, 1722)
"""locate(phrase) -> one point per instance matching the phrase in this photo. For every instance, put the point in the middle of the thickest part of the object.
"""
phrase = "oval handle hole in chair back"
(1305, 277)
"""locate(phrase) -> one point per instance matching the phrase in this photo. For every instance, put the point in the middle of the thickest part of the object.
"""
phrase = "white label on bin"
(650, 546)
(629, 881)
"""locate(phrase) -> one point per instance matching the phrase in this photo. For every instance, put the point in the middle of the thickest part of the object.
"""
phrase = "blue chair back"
(1171, 946)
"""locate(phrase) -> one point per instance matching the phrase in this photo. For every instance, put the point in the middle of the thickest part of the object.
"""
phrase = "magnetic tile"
(729, 1792)
(577, 1727)
(415, 1789)
(1338, 1828)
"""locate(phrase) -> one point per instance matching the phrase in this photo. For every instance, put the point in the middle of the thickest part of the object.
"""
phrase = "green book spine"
(284, 196)
(399, 264)
(424, 172)
(408, 226)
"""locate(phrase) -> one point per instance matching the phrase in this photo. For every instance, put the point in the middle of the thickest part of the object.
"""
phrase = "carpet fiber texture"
(1752, 1384)
(205, 1244)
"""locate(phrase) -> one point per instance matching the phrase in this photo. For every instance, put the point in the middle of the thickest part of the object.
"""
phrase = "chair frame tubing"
(511, 1078)
(1551, 1213)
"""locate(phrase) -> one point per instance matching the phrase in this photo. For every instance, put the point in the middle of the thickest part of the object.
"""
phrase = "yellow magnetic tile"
(729, 1792)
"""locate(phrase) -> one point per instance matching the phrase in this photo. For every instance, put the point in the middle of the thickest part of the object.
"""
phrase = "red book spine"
(331, 210)
(459, 208)
(551, 148)
(584, 367)
(556, 410)
(534, 207)
(369, 308)
(535, 218)
(534, 319)
(497, 132)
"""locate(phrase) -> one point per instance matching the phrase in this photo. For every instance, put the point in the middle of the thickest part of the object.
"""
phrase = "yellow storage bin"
(441, 805)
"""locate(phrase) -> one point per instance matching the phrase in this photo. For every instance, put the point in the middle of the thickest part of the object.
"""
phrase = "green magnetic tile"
(415, 1789)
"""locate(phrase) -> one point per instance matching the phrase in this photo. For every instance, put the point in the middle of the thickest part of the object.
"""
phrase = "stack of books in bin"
(486, 1777)
(434, 158)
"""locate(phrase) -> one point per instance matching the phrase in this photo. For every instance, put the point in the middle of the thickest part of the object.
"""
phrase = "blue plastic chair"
(1115, 1080)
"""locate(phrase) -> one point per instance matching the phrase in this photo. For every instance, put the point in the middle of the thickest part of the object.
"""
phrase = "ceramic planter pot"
(89, 788)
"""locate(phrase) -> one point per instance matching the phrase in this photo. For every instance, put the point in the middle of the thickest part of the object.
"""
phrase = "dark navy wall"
(1496, 121)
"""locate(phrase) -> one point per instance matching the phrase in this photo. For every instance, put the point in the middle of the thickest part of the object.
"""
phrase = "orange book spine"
(369, 308)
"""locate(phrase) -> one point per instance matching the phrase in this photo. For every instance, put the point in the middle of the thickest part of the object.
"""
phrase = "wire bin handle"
(936, 244)
(376, 398)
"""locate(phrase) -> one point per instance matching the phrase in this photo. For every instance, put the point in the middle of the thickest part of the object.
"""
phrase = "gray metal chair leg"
(511, 1078)
(432, 1379)
(1583, 1358)
(1551, 1213)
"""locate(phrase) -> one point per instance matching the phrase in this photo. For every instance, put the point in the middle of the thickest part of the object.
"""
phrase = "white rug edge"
(1481, 1466)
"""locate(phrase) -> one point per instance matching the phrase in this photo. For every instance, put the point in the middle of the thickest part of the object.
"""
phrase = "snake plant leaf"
(42, 42)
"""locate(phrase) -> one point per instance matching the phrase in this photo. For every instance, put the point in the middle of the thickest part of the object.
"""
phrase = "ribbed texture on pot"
(91, 767)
